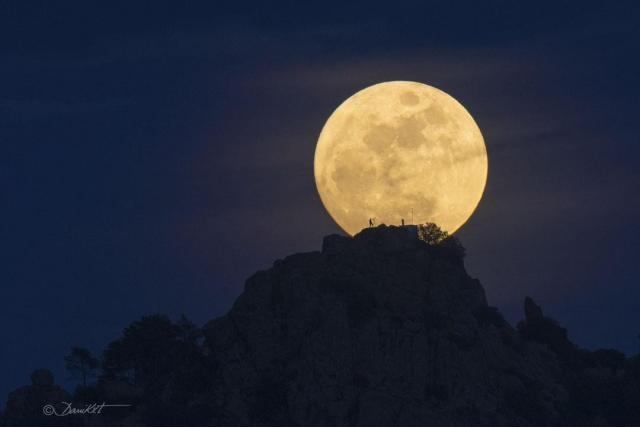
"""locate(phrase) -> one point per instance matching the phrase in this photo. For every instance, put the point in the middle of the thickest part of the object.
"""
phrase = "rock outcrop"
(25, 406)
(380, 329)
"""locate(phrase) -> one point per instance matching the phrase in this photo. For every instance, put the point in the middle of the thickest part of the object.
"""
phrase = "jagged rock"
(380, 329)
(532, 311)
(537, 327)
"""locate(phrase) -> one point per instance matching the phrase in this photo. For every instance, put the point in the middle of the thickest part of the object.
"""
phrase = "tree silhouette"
(165, 361)
(81, 364)
(441, 241)
(144, 353)
(431, 234)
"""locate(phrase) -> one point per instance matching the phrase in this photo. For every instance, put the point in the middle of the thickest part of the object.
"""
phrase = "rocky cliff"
(379, 329)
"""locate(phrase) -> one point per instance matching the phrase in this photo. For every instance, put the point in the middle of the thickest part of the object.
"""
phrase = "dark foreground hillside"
(381, 329)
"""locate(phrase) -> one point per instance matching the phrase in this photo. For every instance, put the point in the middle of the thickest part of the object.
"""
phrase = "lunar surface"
(400, 150)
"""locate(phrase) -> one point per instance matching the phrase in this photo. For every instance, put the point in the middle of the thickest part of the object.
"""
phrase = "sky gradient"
(153, 157)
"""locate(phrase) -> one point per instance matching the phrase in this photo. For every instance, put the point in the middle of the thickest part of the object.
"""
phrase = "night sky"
(152, 157)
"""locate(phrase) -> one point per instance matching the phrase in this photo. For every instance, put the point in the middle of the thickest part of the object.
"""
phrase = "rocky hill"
(383, 329)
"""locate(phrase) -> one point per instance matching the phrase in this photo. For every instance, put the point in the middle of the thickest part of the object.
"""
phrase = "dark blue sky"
(152, 156)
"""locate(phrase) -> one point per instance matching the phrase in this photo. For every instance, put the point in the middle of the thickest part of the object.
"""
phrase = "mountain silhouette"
(385, 328)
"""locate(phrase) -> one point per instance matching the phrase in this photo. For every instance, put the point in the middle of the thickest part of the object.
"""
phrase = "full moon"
(400, 151)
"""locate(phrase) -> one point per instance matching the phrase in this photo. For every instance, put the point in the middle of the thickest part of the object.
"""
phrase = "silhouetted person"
(402, 221)
(370, 222)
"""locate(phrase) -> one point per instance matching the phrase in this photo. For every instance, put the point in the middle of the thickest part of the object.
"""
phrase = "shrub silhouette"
(444, 244)
(431, 234)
